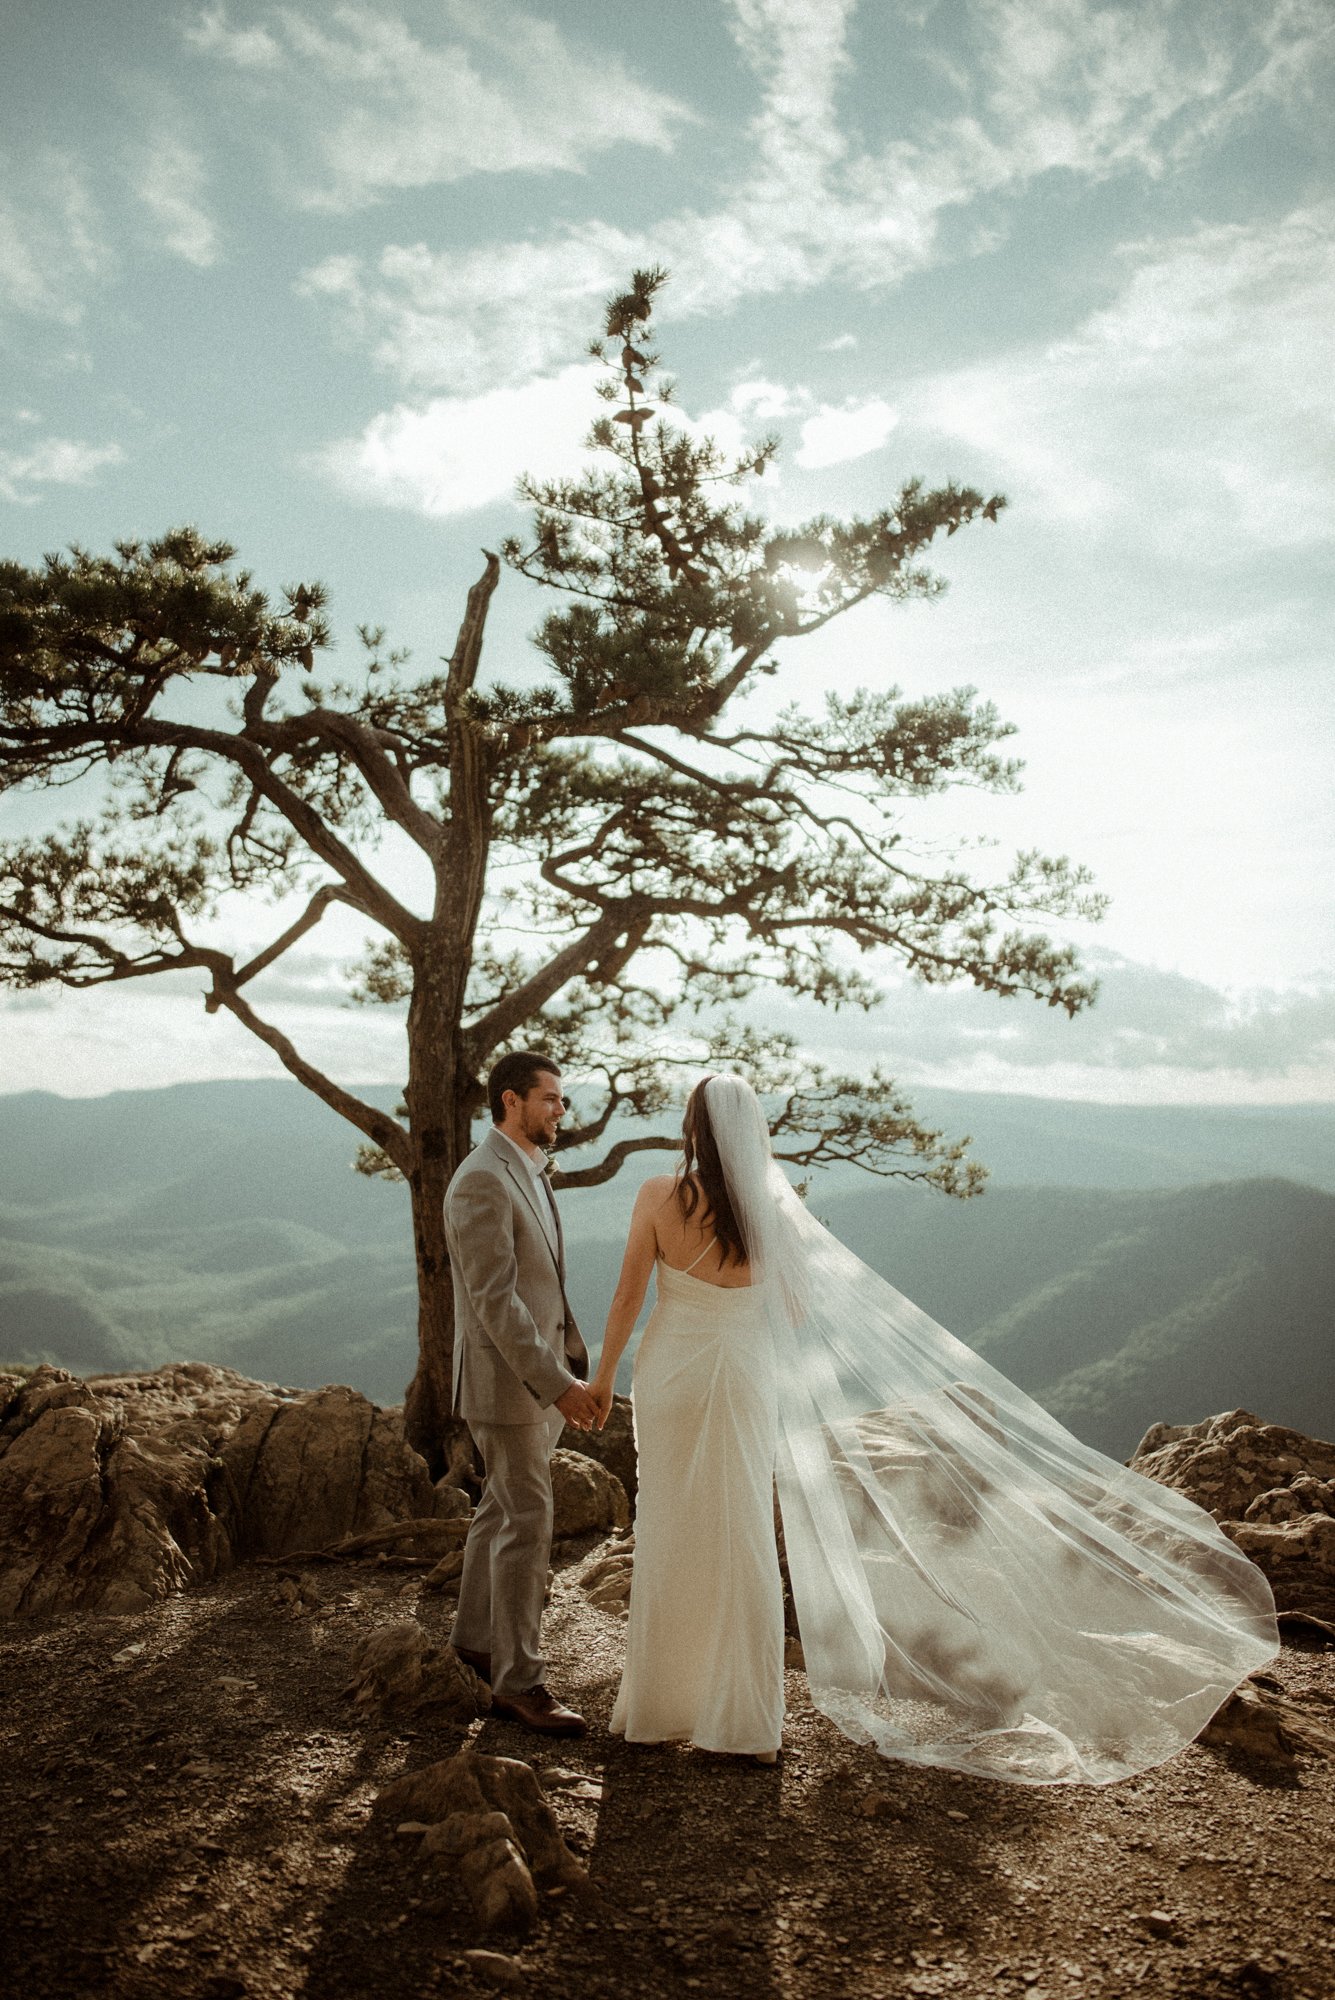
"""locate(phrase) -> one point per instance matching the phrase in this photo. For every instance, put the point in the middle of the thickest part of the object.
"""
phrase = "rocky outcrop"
(117, 1491)
(486, 1820)
(1271, 1490)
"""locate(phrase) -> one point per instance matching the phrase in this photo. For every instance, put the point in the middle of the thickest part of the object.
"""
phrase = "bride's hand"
(602, 1392)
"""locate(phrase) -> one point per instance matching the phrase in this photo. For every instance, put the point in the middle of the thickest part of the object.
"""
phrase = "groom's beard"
(540, 1129)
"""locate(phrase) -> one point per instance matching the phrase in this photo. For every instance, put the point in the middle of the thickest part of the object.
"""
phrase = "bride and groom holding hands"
(519, 1378)
(975, 1588)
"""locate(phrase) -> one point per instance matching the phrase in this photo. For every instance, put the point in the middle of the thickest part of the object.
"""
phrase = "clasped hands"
(586, 1407)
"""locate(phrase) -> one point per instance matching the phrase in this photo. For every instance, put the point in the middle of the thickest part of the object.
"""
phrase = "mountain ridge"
(223, 1222)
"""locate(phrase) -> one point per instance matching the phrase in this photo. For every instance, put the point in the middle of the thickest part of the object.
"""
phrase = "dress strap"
(695, 1260)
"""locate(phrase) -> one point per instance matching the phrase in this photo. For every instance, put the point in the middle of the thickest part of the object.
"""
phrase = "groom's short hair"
(518, 1071)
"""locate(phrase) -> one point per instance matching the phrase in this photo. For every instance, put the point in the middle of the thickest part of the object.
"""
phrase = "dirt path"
(188, 1812)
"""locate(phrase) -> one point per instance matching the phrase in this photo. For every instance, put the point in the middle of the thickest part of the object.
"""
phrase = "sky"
(319, 278)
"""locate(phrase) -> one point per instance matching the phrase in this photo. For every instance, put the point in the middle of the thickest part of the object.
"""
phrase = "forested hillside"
(223, 1222)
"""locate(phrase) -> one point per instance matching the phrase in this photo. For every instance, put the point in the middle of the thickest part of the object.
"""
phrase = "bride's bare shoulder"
(657, 1189)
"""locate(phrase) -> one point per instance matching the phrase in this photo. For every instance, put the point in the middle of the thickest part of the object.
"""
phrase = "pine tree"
(621, 856)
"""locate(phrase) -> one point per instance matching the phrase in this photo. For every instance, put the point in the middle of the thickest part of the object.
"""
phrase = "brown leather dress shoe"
(479, 1662)
(537, 1708)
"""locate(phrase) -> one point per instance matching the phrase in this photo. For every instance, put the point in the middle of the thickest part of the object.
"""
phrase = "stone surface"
(496, 1968)
(398, 1670)
(1271, 1490)
(588, 1499)
(116, 1491)
(607, 1579)
(1258, 1721)
(613, 1446)
(489, 1823)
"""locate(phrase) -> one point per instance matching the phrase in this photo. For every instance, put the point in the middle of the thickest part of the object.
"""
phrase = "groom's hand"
(578, 1407)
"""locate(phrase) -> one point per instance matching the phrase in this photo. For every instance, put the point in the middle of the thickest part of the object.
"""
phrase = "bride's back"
(682, 1241)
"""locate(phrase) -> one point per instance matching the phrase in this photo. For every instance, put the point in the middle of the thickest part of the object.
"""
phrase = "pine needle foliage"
(625, 858)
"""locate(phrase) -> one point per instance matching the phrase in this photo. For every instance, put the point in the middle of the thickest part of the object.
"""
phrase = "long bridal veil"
(975, 1588)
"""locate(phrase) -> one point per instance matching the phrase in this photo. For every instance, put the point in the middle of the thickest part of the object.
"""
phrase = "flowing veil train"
(975, 1588)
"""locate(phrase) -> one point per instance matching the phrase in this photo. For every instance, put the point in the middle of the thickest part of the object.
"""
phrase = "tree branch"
(311, 916)
(379, 1127)
(365, 892)
(364, 748)
(578, 958)
(613, 1160)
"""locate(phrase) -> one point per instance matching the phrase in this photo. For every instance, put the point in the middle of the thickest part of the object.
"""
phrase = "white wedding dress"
(974, 1587)
(704, 1647)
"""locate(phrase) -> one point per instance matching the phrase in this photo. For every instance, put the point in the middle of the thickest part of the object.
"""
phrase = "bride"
(974, 1587)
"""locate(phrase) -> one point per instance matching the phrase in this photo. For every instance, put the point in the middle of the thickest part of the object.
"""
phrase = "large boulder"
(1271, 1490)
(613, 1446)
(116, 1491)
(587, 1499)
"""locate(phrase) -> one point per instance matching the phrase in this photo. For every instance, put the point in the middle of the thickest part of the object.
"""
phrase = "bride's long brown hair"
(701, 1172)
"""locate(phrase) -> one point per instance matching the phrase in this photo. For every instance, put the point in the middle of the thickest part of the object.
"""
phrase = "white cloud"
(838, 433)
(471, 319)
(1069, 86)
(369, 107)
(52, 461)
(462, 452)
(170, 182)
(1195, 407)
(797, 48)
(456, 453)
(52, 251)
(246, 48)
(1152, 1034)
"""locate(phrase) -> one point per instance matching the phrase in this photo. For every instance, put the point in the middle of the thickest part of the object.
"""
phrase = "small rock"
(496, 1969)
(1267, 1727)
(953, 1814)
(400, 1671)
(447, 1570)
(407, 1827)
(491, 1828)
(877, 1805)
(1157, 1922)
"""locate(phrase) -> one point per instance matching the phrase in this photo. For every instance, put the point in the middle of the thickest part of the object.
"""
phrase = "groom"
(518, 1364)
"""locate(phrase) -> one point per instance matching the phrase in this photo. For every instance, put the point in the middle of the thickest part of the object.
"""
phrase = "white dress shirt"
(537, 1167)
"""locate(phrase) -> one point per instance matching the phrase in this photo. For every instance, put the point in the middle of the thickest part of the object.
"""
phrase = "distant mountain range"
(1172, 1262)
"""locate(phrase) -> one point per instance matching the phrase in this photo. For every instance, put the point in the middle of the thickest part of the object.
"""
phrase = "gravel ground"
(188, 1812)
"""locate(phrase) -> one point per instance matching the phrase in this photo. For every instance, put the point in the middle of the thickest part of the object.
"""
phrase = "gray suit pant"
(508, 1550)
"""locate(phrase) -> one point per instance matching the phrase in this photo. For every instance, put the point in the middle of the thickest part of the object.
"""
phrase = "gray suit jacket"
(516, 1345)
